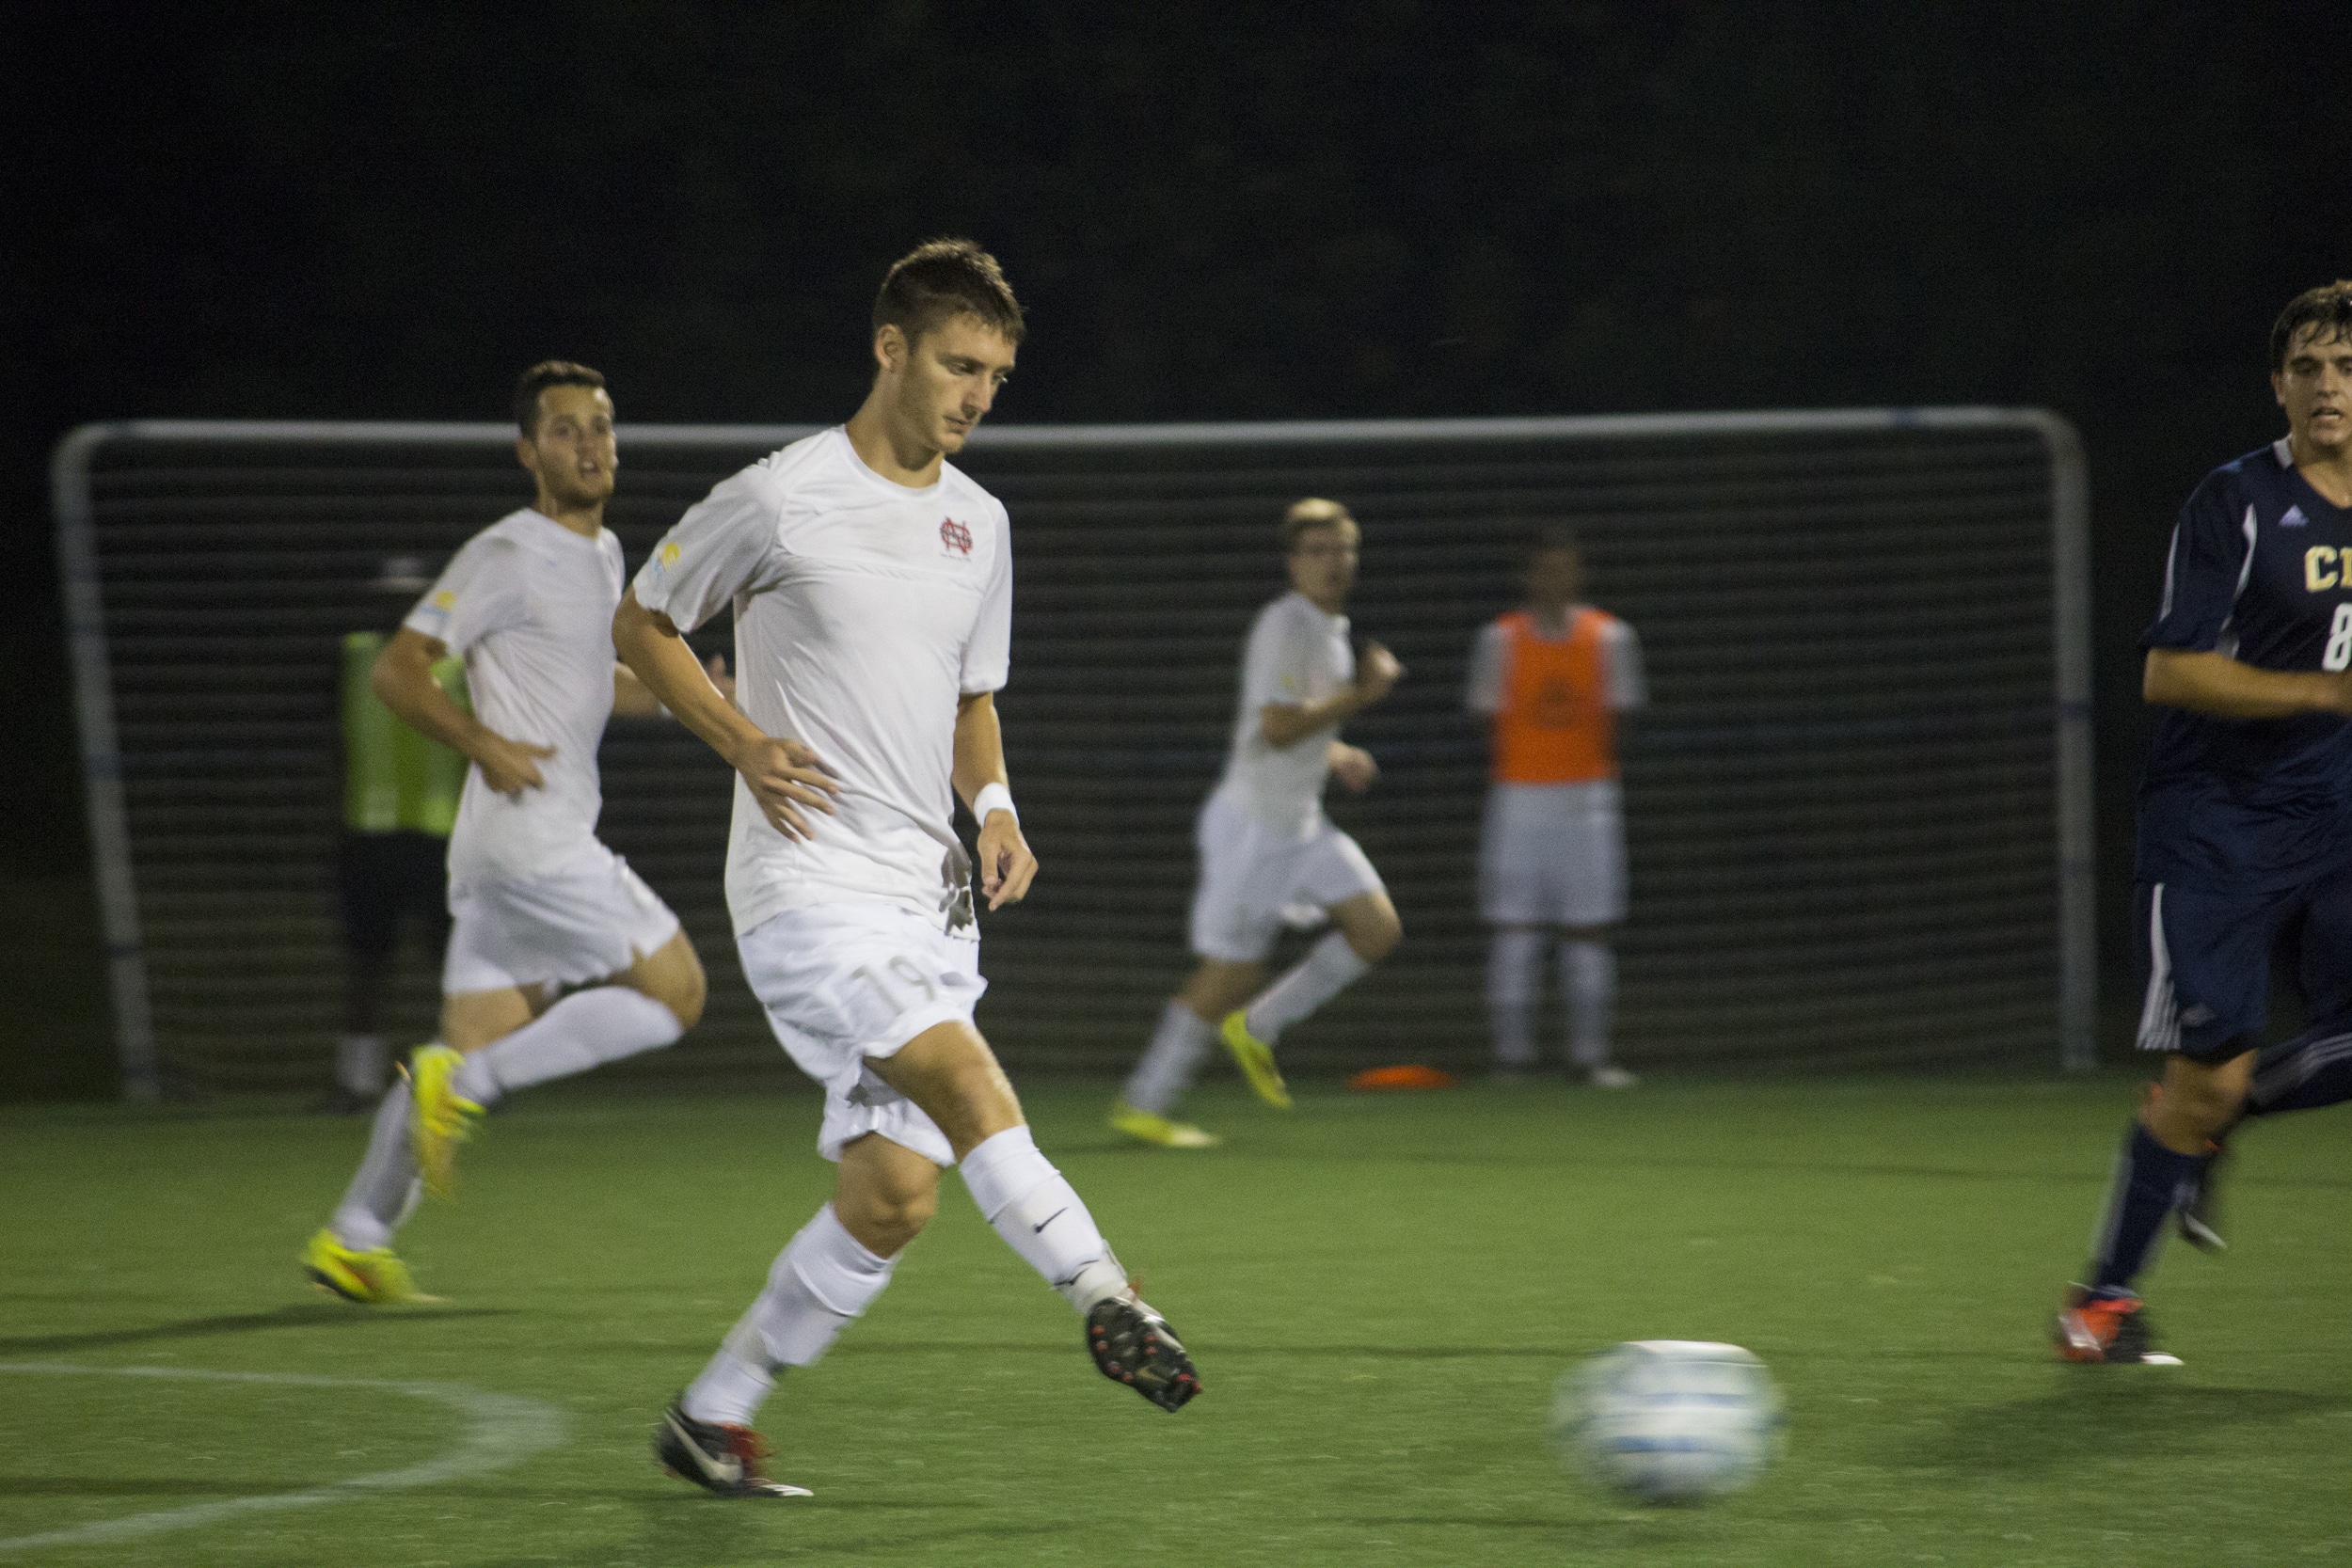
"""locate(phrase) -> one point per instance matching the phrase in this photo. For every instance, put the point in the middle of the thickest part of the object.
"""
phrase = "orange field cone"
(1409, 1077)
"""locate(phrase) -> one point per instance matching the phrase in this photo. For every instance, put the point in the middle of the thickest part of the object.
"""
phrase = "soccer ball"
(1667, 1420)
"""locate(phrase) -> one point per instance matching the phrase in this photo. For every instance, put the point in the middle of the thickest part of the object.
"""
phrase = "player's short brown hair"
(2328, 308)
(546, 374)
(1302, 518)
(940, 279)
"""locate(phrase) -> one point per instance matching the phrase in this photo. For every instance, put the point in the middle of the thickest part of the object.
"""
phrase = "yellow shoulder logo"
(669, 552)
(444, 600)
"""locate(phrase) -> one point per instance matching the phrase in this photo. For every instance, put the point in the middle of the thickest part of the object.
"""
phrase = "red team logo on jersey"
(954, 536)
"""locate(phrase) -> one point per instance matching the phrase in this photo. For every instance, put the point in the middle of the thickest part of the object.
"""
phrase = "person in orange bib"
(1551, 679)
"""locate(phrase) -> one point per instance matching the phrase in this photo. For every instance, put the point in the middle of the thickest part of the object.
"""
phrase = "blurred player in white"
(1267, 852)
(538, 905)
(1551, 679)
(872, 590)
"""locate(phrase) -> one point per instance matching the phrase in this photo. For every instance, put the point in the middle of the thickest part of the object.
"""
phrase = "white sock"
(821, 1283)
(1515, 978)
(1179, 1044)
(384, 1189)
(1588, 974)
(360, 1061)
(584, 1030)
(1330, 968)
(1042, 1217)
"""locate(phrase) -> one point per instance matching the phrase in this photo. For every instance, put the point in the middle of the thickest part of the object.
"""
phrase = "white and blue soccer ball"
(1668, 1420)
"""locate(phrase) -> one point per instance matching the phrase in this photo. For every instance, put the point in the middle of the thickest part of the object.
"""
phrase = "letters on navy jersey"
(2260, 569)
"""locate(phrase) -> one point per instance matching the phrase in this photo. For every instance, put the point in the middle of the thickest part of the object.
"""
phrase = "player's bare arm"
(402, 679)
(1288, 723)
(1006, 865)
(1352, 766)
(633, 698)
(784, 776)
(2220, 685)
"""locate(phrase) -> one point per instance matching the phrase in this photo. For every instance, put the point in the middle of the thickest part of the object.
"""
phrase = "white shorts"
(847, 984)
(1552, 855)
(1255, 878)
(587, 922)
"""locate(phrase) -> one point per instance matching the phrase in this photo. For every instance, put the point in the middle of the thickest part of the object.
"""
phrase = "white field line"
(502, 1430)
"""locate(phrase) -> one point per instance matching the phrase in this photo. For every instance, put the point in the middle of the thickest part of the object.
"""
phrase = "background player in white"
(1551, 679)
(537, 903)
(1267, 848)
(872, 588)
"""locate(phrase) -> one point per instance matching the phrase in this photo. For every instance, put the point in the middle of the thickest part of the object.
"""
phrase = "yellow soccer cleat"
(1256, 1060)
(1152, 1128)
(376, 1277)
(440, 1119)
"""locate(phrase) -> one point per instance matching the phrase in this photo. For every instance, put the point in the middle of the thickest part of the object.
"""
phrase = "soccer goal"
(1858, 806)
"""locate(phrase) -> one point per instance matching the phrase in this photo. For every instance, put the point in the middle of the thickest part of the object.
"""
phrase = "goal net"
(1858, 804)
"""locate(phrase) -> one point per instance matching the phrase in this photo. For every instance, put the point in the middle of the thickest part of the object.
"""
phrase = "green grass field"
(1380, 1291)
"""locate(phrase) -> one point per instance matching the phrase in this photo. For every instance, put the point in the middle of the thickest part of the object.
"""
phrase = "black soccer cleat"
(716, 1457)
(2110, 1329)
(2198, 1217)
(1131, 1344)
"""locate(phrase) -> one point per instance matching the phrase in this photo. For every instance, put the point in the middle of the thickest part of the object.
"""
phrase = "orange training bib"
(1555, 724)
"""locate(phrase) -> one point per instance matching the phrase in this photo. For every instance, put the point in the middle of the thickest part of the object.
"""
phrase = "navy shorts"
(2204, 956)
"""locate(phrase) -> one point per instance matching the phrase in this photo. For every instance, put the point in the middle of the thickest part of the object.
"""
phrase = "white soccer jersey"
(1297, 655)
(530, 603)
(863, 610)
(1621, 665)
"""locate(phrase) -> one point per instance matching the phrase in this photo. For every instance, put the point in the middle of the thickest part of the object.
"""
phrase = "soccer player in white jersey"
(538, 905)
(1552, 680)
(1267, 852)
(872, 588)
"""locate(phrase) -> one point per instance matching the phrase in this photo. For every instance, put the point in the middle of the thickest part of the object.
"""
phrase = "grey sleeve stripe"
(2160, 1012)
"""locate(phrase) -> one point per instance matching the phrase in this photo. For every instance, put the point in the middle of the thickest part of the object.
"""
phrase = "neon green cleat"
(376, 1277)
(439, 1117)
(1152, 1128)
(1256, 1060)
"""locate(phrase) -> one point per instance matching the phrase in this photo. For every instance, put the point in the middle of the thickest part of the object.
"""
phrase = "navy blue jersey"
(2261, 570)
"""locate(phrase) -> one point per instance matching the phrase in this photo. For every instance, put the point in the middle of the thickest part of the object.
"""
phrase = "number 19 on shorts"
(2338, 654)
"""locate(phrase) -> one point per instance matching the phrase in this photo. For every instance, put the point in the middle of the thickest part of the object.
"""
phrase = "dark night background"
(1282, 211)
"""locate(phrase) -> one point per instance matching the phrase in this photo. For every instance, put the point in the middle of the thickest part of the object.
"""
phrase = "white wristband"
(992, 796)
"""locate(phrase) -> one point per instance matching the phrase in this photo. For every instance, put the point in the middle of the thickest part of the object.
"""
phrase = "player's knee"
(884, 1220)
(2197, 1101)
(898, 1218)
(2211, 1107)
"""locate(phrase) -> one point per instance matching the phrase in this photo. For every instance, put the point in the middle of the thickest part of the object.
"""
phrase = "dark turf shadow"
(320, 1314)
(2125, 1413)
